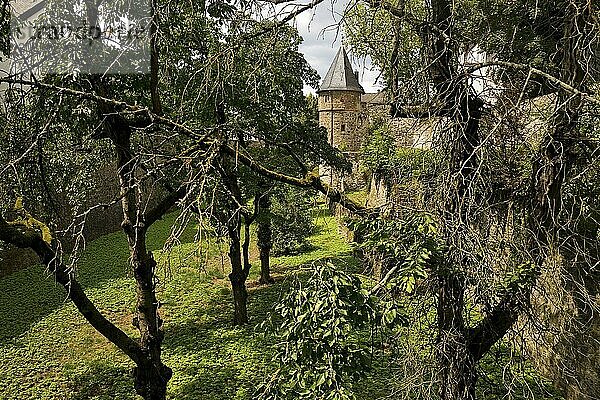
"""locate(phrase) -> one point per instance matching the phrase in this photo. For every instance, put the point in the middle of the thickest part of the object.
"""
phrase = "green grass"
(48, 351)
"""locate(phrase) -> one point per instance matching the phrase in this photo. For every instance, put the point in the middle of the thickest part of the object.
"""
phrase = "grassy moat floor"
(48, 351)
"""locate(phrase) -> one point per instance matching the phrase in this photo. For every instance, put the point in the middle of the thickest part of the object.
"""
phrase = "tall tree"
(470, 112)
(257, 107)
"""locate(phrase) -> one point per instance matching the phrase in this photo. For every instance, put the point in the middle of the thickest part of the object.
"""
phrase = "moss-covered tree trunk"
(457, 364)
(456, 360)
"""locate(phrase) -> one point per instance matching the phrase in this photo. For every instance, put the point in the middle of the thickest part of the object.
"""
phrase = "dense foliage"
(486, 242)
(291, 218)
(322, 330)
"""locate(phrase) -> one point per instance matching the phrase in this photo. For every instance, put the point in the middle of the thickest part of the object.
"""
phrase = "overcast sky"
(322, 41)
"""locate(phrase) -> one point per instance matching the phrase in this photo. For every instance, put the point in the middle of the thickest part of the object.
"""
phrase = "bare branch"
(589, 97)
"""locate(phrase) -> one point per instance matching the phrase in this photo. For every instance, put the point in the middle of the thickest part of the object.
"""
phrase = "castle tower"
(339, 112)
(339, 104)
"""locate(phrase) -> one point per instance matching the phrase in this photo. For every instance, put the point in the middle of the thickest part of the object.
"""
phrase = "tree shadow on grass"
(29, 295)
(211, 359)
(216, 362)
(220, 362)
(101, 381)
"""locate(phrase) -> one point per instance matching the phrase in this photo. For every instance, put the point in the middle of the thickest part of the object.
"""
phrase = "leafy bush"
(382, 156)
(379, 151)
(408, 247)
(291, 218)
(321, 329)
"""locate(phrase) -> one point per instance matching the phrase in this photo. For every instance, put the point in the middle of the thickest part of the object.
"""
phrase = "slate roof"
(340, 75)
(379, 98)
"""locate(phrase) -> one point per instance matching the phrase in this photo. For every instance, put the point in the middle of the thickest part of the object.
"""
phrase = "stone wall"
(562, 338)
(567, 349)
(98, 223)
(339, 113)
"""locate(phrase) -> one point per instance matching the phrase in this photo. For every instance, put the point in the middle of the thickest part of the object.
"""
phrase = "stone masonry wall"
(339, 114)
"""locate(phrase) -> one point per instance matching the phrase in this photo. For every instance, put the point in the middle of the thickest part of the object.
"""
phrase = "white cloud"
(322, 38)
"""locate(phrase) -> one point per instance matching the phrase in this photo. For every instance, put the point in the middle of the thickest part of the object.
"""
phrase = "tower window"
(343, 128)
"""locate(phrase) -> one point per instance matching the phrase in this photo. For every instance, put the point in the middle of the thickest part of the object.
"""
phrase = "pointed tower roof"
(340, 75)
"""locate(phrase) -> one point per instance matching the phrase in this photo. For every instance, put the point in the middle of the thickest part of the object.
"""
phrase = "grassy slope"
(48, 351)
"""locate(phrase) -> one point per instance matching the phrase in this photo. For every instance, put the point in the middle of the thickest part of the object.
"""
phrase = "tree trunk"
(151, 375)
(240, 299)
(457, 365)
(265, 240)
(237, 276)
(557, 156)
(457, 361)
(238, 254)
(264, 230)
